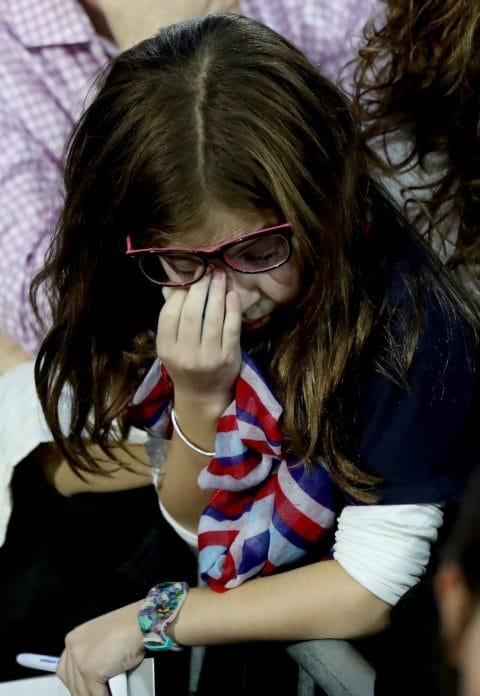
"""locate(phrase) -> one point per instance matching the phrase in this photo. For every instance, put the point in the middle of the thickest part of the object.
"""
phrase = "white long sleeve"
(386, 548)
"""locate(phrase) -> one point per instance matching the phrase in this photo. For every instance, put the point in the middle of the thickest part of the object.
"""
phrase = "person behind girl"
(221, 214)
(417, 88)
(457, 584)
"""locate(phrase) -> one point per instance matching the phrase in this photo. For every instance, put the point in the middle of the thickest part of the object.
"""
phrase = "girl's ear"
(455, 608)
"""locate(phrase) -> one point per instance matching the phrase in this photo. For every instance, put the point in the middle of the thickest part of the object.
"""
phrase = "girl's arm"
(199, 344)
(178, 490)
(316, 601)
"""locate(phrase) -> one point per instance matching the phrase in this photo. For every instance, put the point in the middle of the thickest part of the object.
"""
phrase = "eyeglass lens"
(250, 256)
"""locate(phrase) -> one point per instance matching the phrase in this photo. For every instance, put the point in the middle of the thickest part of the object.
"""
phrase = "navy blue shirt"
(423, 440)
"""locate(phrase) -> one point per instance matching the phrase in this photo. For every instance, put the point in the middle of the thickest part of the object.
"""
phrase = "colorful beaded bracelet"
(161, 606)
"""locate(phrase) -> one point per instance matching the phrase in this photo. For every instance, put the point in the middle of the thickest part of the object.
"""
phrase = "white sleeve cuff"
(386, 548)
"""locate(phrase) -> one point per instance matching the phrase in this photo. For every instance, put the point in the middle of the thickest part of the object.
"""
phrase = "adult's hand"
(130, 22)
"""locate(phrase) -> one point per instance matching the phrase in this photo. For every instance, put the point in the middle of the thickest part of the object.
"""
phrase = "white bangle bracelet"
(185, 439)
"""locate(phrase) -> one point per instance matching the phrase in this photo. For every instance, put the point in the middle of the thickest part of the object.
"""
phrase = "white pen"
(48, 663)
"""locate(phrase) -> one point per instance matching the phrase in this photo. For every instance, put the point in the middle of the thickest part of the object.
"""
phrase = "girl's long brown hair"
(419, 76)
(221, 111)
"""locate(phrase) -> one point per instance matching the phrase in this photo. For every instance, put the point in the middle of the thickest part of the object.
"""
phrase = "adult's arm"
(129, 469)
(11, 354)
(130, 22)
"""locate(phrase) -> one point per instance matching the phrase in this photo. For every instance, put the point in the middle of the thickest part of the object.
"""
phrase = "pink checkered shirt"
(327, 31)
(49, 57)
(49, 53)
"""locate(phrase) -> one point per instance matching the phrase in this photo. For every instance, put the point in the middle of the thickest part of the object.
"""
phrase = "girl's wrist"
(195, 422)
(205, 407)
(178, 629)
(191, 445)
(197, 435)
(159, 609)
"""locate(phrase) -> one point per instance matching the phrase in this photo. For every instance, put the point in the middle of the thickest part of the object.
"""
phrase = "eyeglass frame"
(206, 254)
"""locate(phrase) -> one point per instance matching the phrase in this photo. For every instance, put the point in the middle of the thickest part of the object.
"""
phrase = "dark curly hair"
(419, 76)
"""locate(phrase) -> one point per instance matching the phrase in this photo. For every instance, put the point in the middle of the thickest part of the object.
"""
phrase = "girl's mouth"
(252, 324)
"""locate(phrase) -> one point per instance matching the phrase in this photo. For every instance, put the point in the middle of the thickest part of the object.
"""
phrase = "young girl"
(417, 85)
(221, 213)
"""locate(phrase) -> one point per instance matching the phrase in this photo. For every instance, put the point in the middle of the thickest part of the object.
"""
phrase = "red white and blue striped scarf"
(267, 510)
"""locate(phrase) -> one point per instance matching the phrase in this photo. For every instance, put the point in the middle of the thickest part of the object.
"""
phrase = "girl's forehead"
(221, 226)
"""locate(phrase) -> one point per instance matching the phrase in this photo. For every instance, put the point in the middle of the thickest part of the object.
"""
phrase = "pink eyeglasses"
(254, 252)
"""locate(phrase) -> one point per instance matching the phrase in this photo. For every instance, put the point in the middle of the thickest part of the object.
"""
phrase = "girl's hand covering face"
(198, 338)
